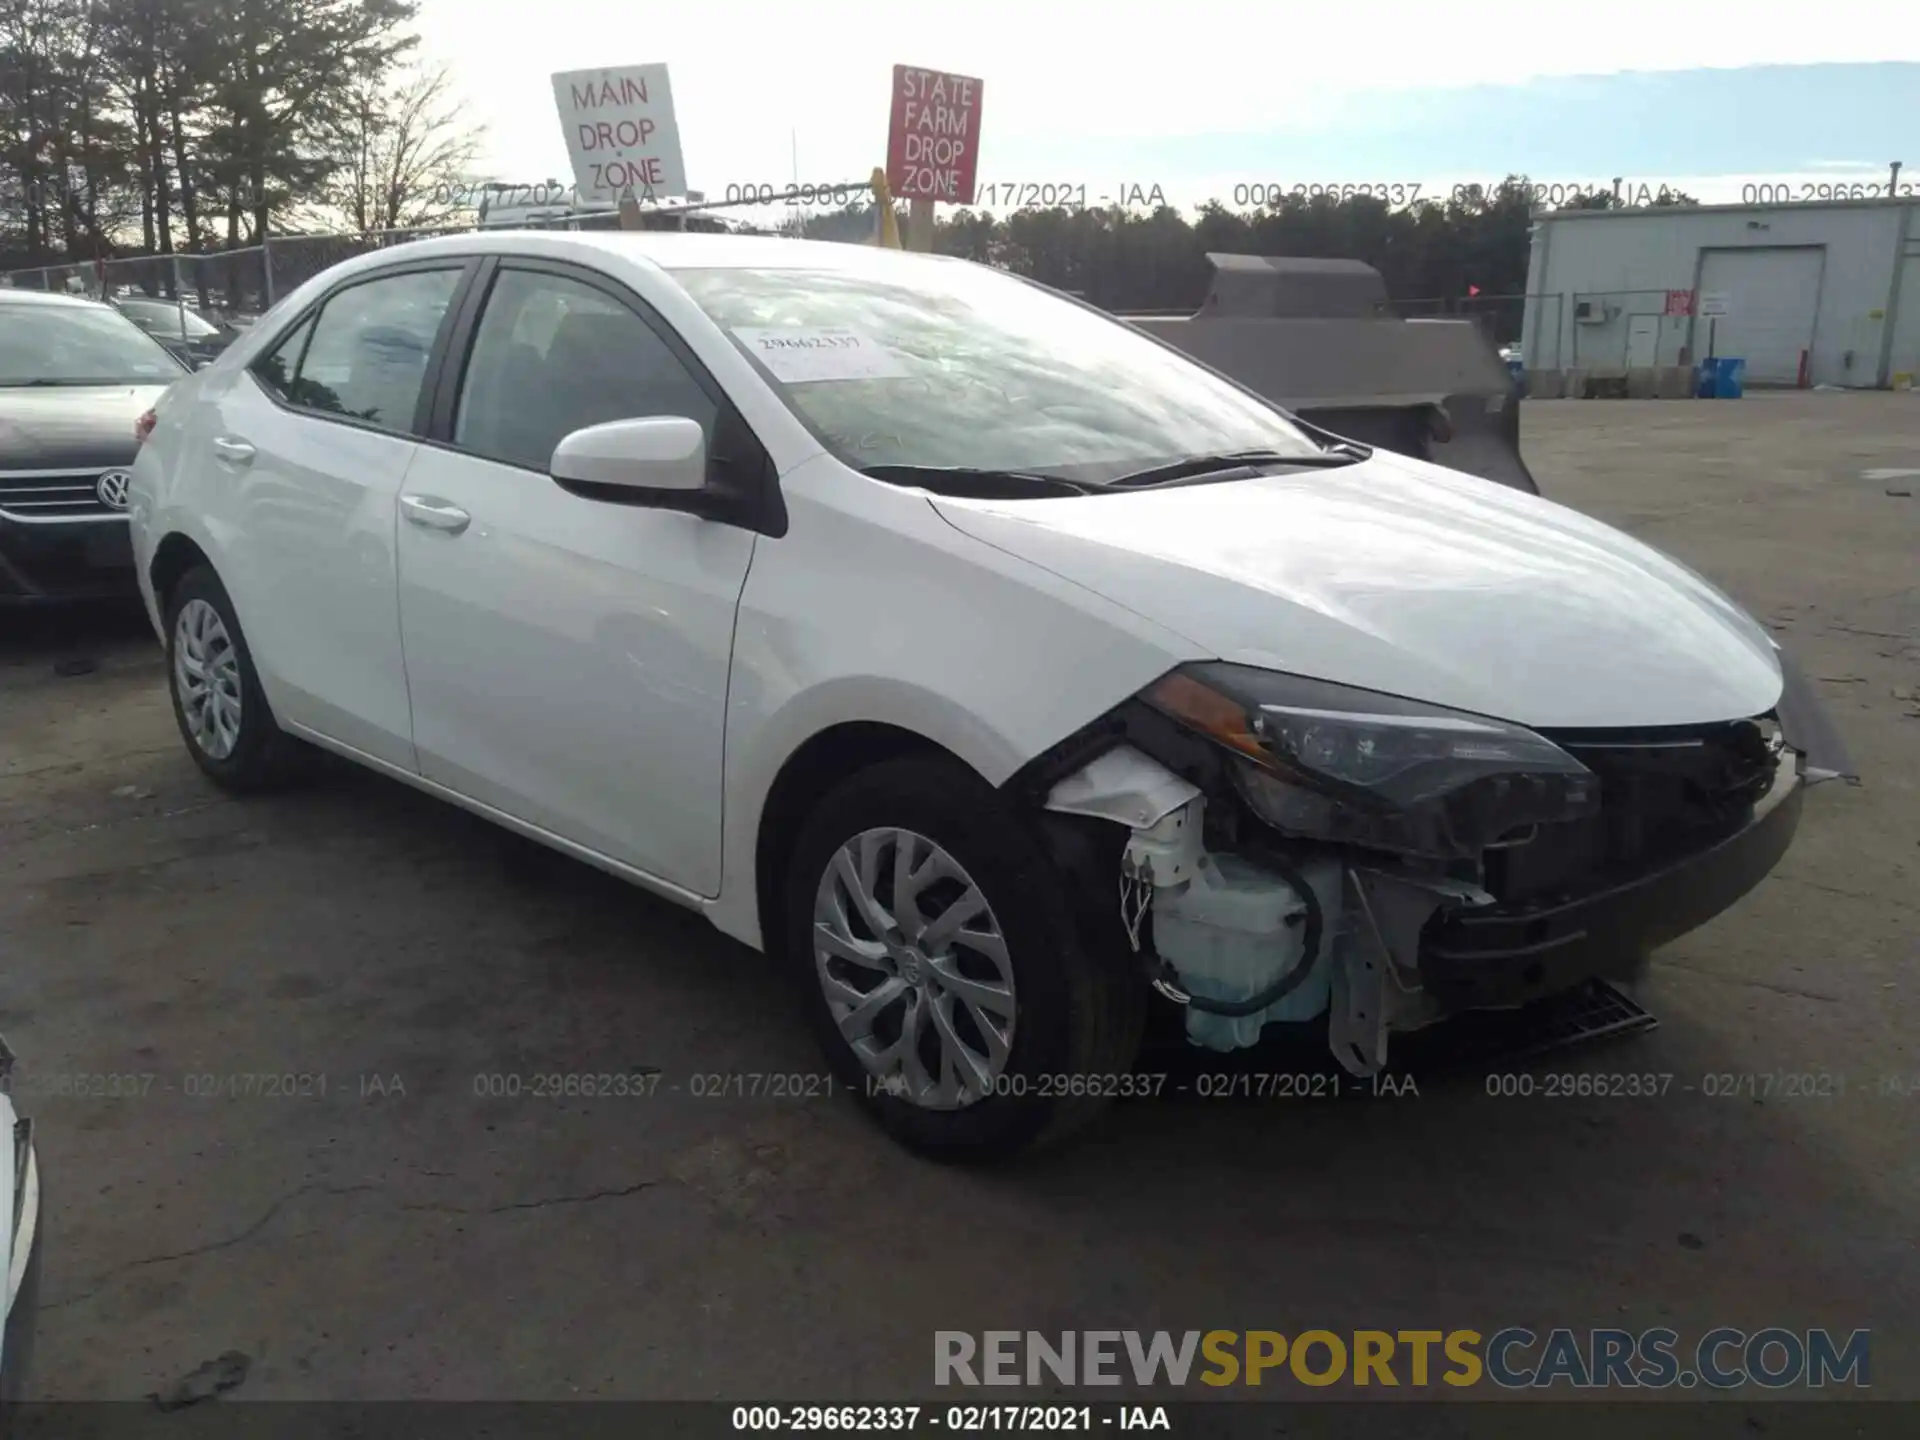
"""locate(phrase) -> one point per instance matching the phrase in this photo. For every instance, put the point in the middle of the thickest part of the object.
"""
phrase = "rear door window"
(277, 368)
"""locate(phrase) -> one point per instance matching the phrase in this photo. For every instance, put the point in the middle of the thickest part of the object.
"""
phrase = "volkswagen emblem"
(112, 488)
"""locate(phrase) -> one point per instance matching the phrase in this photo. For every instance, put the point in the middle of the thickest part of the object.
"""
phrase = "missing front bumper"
(1475, 960)
(1402, 948)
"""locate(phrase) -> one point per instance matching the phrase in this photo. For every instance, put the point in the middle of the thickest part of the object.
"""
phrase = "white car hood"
(1402, 577)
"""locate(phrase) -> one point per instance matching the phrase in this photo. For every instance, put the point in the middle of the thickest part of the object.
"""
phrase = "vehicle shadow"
(75, 639)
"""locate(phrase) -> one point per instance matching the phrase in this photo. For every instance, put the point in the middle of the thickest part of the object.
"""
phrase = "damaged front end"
(1281, 849)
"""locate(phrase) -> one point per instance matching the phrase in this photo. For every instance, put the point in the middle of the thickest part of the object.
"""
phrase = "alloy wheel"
(206, 677)
(914, 968)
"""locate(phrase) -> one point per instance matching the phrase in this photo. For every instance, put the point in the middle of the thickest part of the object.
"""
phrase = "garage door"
(1772, 297)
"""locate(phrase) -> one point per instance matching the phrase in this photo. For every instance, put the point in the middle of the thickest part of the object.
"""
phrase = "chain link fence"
(1604, 331)
(1597, 334)
(237, 285)
(1501, 318)
(1613, 330)
(226, 286)
(230, 284)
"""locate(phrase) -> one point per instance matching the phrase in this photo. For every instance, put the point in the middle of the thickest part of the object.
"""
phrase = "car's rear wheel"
(217, 701)
(942, 968)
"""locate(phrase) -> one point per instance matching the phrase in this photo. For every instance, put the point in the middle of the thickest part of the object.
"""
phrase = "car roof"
(661, 249)
(9, 296)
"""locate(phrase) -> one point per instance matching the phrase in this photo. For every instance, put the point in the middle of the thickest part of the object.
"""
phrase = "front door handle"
(234, 452)
(431, 514)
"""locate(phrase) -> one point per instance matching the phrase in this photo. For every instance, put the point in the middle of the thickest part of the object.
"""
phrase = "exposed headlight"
(1328, 762)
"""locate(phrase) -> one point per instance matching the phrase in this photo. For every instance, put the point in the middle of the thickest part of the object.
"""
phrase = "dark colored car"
(191, 336)
(74, 377)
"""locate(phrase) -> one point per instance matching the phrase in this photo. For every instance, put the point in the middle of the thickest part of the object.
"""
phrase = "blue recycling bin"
(1722, 377)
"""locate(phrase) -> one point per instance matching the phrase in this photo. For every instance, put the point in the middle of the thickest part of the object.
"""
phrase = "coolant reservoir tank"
(1234, 930)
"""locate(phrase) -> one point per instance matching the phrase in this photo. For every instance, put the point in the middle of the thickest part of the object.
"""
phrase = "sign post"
(621, 136)
(933, 144)
(887, 229)
(920, 225)
(1713, 304)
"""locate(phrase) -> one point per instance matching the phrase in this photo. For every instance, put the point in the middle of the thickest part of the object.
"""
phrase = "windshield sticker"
(801, 354)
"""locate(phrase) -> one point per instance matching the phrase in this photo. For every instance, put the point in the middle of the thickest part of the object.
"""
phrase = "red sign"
(933, 140)
(1679, 302)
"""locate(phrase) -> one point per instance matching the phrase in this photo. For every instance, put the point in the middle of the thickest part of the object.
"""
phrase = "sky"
(1213, 97)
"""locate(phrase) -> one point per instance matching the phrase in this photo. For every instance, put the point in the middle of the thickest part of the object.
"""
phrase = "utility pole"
(920, 225)
(630, 211)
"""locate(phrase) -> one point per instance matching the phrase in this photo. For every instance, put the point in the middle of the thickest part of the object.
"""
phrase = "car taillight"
(143, 427)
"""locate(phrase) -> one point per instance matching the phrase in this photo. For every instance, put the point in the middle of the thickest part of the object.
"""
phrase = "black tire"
(1077, 1013)
(263, 757)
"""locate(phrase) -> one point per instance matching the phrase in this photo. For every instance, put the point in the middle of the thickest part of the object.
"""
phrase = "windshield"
(962, 366)
(79, 345)
(158, 317)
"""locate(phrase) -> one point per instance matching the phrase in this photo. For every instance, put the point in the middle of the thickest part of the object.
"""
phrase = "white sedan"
(985, 660)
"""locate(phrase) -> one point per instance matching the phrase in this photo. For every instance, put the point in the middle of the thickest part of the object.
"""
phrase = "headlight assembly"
(1352, 767)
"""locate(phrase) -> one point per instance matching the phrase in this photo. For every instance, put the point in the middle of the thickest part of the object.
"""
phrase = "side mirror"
(660, 453)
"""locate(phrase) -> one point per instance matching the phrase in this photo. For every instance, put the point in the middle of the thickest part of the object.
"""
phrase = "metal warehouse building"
(1813, 294)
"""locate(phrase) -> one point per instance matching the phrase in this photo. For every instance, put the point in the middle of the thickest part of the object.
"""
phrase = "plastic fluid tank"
(1730, 378)
(1231, 932)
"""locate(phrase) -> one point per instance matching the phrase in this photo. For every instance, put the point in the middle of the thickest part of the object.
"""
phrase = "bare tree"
(408, 153)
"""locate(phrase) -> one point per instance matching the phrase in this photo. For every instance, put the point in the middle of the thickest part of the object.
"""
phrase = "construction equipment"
(1320, 338)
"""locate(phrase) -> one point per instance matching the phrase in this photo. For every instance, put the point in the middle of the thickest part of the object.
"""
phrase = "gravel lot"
(401, 1236)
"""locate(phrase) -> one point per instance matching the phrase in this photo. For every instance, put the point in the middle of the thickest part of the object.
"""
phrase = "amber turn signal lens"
(1208, 711)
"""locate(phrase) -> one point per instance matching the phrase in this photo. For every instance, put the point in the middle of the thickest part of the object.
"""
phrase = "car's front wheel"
(942, 967)
(217, 700)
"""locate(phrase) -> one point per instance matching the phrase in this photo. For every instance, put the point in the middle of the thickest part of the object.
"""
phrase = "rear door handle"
(432, 514)
(234, 452)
